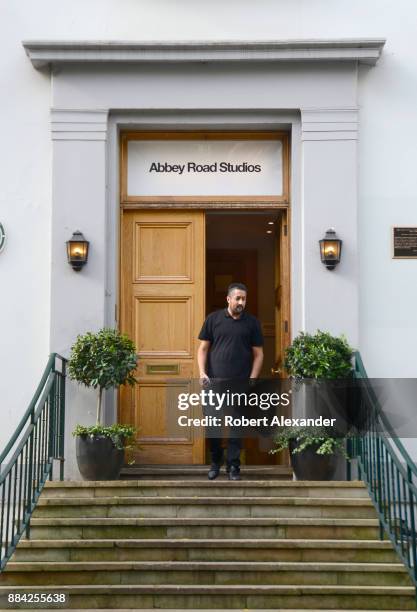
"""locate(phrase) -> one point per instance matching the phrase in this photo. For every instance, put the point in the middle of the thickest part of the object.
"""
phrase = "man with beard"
(231, 348)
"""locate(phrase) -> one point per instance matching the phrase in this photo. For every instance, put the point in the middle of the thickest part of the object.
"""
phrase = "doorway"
(174, 269)
(241, 246)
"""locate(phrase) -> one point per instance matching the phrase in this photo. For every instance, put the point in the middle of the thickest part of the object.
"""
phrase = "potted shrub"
(313, 451)
(102, 360)
(321, 366)
(319, 356)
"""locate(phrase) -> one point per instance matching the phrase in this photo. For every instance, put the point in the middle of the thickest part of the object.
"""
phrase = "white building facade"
(338, 79)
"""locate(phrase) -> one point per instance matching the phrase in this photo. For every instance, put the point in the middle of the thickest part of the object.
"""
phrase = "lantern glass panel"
(77, 250)
(331, 249)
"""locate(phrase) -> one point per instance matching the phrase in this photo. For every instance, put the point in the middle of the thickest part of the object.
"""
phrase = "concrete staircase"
(190, 544)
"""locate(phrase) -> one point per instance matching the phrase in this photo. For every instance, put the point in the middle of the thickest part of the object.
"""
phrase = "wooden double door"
(163, 306)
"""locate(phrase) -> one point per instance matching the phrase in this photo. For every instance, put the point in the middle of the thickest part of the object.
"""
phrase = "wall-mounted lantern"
(330, 249)
(77, 251)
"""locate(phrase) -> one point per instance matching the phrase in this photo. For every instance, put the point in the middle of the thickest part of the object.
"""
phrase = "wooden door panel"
(162, 310)
(163, 326)
(173, 262)
(152, 423)
(155, 424)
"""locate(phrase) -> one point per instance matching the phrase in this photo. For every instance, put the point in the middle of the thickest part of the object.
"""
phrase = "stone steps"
(145, 543)
(198, 572)
(183, 472)
(126, 528)
(196, 507)
(227, 596)
(235, 610)
(351, 551)
(204, 488)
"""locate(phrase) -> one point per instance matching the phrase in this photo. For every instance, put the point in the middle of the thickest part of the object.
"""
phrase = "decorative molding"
(57, 53)
(186, 301)
(70, 124)
(188, 228)
(203, 203)
(163, 385)
(329, 124)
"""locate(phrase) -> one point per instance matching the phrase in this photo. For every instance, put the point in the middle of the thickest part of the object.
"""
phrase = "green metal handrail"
(27, 460)
(388, 471)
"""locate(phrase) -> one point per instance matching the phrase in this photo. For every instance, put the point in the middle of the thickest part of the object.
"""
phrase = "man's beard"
(238, 309)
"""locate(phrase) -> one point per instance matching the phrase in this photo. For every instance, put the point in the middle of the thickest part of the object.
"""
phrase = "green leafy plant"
(122, 436)
(119, 434)
(318, 355)
(103, 360)
(304, 437)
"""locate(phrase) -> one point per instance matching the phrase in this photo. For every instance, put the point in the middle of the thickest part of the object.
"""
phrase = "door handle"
(276, 371)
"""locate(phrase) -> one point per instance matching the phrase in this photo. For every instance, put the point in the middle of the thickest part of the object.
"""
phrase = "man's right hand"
(204, 379)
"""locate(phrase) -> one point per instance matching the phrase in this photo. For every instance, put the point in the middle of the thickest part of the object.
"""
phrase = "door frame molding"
(240, 203)
(206, 202)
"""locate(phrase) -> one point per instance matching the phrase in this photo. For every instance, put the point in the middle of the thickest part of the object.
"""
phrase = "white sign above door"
(204, 168)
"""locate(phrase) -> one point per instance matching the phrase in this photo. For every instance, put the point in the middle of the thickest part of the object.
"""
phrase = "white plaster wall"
(387, 153)
(25, 197)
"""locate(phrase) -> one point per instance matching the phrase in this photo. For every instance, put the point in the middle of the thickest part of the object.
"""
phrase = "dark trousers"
(234, 442)
(234, 446)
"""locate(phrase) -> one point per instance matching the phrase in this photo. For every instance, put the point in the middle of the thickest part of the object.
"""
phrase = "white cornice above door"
(56, 53)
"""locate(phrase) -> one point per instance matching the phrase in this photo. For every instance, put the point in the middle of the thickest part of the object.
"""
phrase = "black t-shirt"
(230, 354)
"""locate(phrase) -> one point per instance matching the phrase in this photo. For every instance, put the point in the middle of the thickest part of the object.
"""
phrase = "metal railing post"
(30, 478)
(379, 487)
(412, 521)
(51, 427)
(348, 461)
(62, 423)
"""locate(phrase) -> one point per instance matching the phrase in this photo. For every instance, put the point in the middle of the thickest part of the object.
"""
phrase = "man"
(231, 348)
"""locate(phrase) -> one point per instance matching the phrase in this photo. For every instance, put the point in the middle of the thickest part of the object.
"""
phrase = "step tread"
(78, 484)
(207, 543)
(249, 566)
(176, 466)
(201, 474)
(204, 501)
(200, 589)
(226, 521)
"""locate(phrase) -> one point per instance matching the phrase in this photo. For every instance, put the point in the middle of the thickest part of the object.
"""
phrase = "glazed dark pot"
(98, 458)
(330, 399)
(308, 465)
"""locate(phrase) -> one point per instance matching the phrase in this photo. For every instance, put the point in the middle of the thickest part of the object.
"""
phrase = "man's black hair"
(240, 286)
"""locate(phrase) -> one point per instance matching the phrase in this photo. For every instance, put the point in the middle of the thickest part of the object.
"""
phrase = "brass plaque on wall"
(404, 242)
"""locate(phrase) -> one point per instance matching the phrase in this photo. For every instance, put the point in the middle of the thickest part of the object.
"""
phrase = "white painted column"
(329, 199)
(78, 203)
